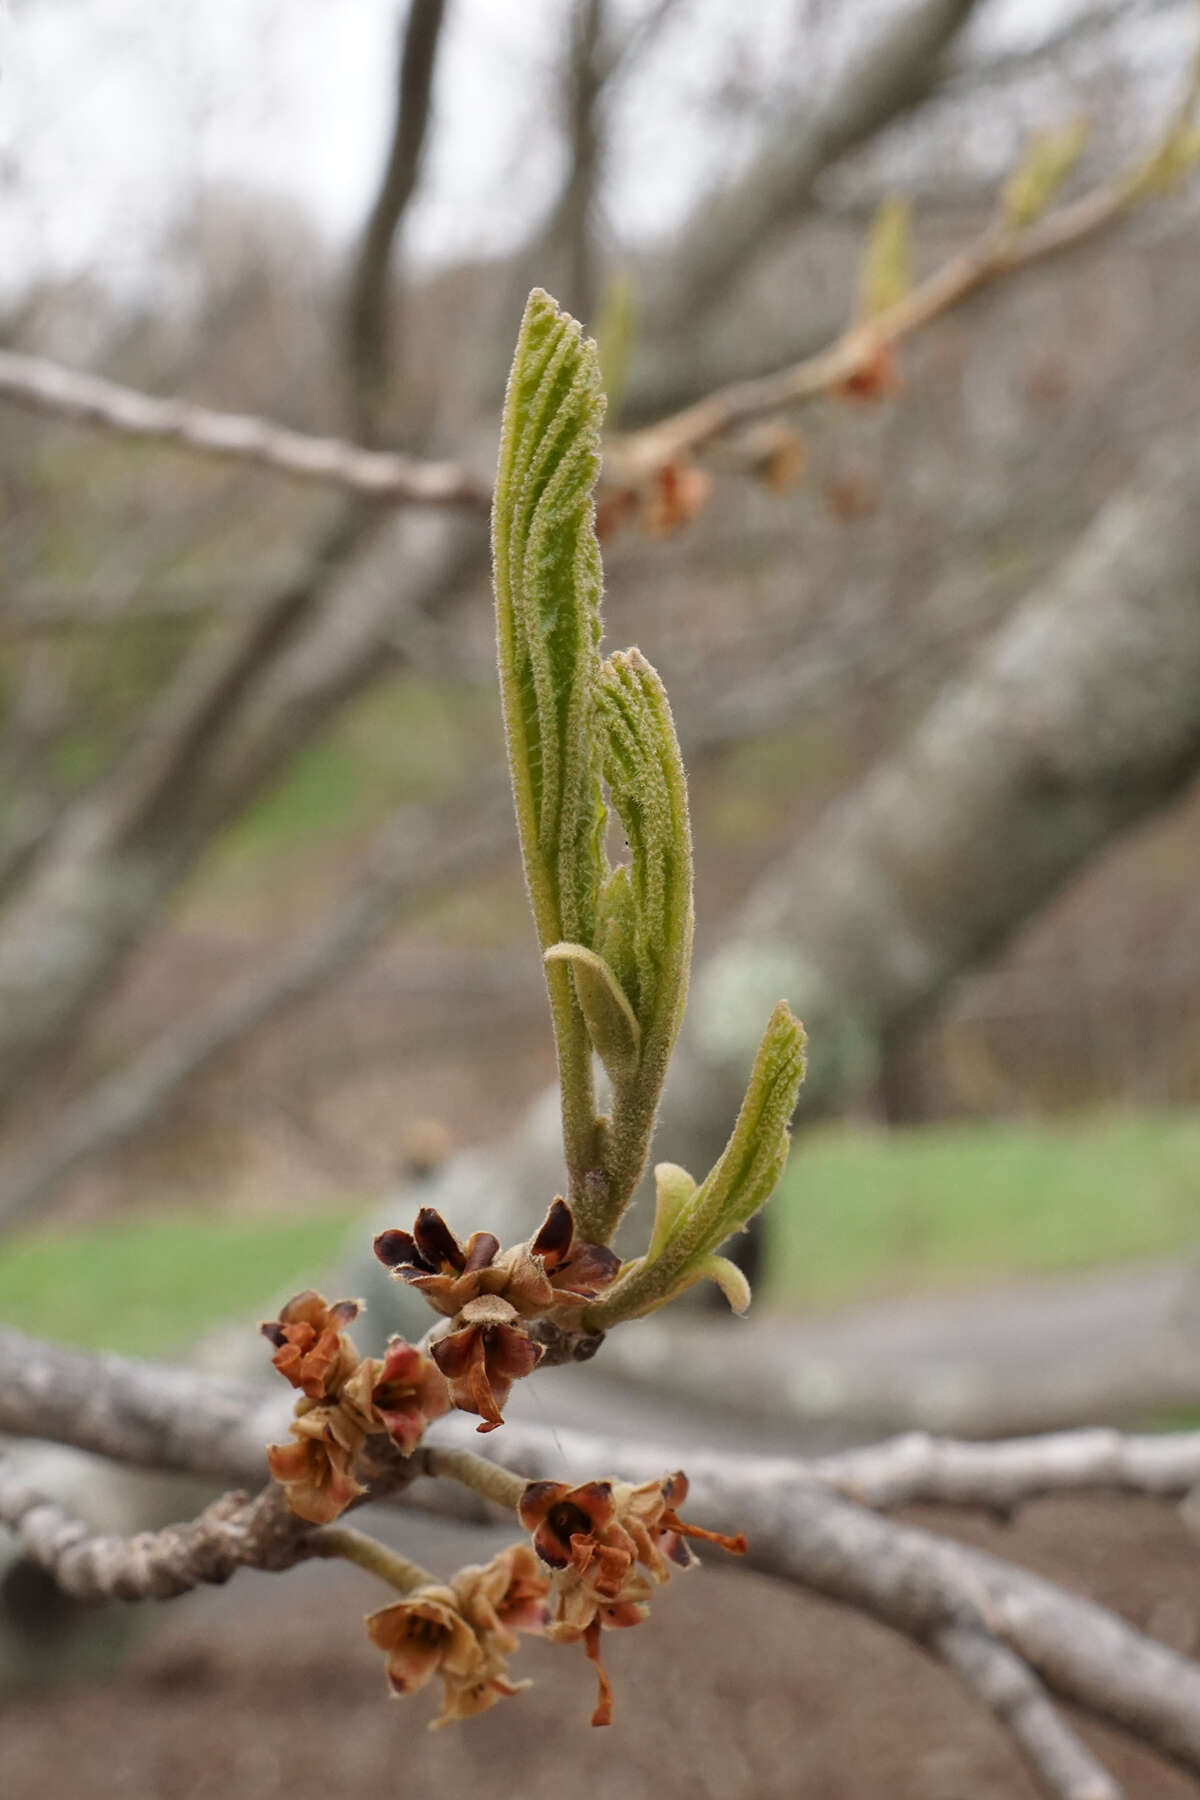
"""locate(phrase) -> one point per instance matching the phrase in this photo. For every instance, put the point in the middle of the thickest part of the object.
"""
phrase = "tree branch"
(1000, 250)
(47, 387)
(1057, 1758)
(917, 1469)
(902, 64)
(366, 308)
(1005, 1631)
(630, 459)
(233, 1533)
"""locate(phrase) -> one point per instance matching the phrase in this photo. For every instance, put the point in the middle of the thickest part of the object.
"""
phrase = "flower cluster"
(464, 1631)
(490, 1296)
(343, 1399)
(606, 1544)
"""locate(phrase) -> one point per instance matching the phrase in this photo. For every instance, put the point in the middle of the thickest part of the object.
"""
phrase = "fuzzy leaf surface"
(548, 587)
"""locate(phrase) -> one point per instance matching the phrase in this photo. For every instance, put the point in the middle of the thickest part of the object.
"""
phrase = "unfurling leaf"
(548, 584)
(1046, 161)
(729, 1278)
(614, 1031)
(673, 1189)
(645, 914)
(616, 942)
(754, 1158)
(886, 275)
(690, 1226)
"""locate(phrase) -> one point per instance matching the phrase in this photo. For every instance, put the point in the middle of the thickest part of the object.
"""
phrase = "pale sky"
(114, 112)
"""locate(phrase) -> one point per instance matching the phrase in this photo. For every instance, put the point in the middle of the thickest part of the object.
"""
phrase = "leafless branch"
(1013, 1637)
(920, 1469)
(631, 459)
(1057, 1758)
(47, 387)
(1000, 250)
(366, 310)
(897, 70)
(233, 1533)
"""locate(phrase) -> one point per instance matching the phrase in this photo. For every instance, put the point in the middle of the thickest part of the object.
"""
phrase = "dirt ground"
(736, 1687)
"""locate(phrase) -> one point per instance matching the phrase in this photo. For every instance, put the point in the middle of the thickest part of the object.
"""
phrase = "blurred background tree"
(217, 686)
(927, 610)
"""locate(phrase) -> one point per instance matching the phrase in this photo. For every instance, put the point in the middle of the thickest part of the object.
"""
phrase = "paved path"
(1115, 1347)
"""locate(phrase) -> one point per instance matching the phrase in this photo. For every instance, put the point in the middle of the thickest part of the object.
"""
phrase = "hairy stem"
(369, 1554)
(478, 1474)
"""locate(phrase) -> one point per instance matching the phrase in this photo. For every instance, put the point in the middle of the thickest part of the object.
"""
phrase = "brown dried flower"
(593, 1537)
(463, 1632)
(554, 1270)
(317, 1469)
(551, 1271)
(402, 1394)
(424, 1635)
(482, 1358)
(311, 1349)
(505, 1596)
(431, 1259)
(648, 1513)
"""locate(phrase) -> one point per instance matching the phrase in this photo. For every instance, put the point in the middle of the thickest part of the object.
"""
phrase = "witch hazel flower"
(464, 1631)
(490, 1295)
(343, 1400)
(607, 1544)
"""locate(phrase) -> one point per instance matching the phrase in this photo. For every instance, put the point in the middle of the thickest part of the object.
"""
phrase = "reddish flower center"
(567, 1520)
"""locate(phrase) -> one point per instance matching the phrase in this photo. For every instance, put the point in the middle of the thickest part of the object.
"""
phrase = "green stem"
(486, 1478)
(369, 1554)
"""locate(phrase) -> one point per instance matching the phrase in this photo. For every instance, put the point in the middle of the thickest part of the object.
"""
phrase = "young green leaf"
(729, 1278)
(673, 1190)
(691, 1226)
(548, 584)
(886, 274)
(1045, 163)
(612, 1027)
(645, 914)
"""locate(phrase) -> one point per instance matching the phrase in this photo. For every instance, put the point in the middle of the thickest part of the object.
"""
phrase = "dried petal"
(316, 1471)
(484, 1357)
(422, 1635)
(311, 1350)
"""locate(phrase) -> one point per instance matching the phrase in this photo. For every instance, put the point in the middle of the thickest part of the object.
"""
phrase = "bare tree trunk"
(109, 871)
(367, 305)
(242, 705)
(1079, 718)
(897, 70)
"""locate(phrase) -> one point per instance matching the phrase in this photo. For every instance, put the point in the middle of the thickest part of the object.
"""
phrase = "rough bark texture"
(1079, 718)
(1015, 1639)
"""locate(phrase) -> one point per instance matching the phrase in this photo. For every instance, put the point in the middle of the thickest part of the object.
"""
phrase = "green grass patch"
(860, 1214)
(863, 1213)
(148, 1286)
